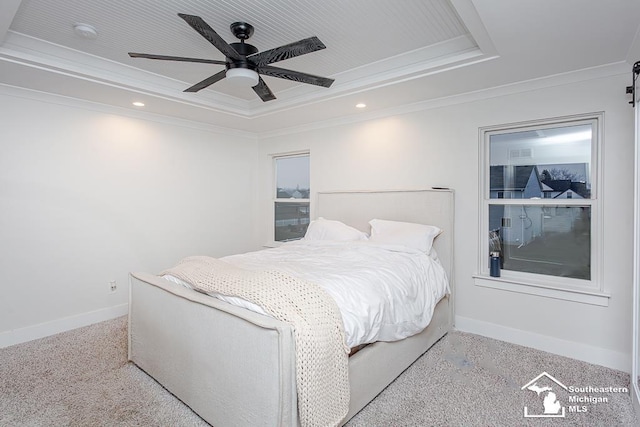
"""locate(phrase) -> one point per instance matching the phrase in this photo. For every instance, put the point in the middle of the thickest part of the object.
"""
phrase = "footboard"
(234, 367)
(230, 365)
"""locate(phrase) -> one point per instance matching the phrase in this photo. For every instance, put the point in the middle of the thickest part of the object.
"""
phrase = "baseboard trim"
(586, 353)
(46, 329)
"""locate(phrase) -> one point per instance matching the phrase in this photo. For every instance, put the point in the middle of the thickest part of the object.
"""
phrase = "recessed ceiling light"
(361, 105)
(85, 31)
(138, 104)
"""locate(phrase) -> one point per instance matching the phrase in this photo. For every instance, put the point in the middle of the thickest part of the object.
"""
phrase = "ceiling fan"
(243, 63)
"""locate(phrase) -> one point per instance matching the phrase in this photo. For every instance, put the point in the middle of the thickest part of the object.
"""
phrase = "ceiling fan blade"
(296, 76)
(207, 82)
(287, 51)
(263, 91)
(175, 58)
(208, 33)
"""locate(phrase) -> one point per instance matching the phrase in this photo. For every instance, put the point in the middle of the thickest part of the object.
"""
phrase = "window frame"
(580, 290)
(274, 192)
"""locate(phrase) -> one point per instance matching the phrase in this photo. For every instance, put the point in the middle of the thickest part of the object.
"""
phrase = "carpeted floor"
(82, 378)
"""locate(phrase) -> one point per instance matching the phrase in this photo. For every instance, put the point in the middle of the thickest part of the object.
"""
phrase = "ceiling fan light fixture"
(242, 77)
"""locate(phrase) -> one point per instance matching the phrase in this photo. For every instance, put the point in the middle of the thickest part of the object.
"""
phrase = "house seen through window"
(539, 200)
(291, 205)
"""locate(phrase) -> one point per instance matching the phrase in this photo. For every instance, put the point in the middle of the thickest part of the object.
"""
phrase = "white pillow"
(416, 236)
(326, 229)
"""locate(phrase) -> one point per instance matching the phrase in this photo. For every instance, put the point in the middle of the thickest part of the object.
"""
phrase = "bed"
(239, 368)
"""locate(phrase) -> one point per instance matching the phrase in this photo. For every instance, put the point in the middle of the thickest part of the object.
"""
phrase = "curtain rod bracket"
(632, 89)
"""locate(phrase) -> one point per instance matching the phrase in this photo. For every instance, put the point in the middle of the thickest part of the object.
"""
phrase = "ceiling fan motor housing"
(242, 31)
(244, 48)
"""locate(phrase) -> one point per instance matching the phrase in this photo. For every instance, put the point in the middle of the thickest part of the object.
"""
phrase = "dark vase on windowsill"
(494, 267)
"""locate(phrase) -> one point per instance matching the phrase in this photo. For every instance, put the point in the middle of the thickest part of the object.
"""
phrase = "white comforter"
(384, 292)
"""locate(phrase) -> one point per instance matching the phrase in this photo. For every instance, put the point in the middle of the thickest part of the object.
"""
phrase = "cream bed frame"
(239, 369)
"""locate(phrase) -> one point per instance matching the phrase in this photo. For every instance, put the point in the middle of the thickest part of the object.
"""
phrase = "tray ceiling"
(356, 32)
(371, 45)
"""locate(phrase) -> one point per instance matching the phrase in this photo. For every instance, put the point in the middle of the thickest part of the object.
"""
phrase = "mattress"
(384, 292)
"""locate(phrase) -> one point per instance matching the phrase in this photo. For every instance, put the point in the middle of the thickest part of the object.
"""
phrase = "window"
(291, 199)
(539, 205)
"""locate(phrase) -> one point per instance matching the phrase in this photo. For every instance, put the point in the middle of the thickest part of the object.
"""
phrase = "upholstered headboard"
(357, 208)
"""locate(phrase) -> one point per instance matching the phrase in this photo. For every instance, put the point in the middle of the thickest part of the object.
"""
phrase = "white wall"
(439, 147)
(87, 196)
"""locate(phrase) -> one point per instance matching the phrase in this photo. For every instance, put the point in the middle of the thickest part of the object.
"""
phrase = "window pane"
(291, 220)
(551, 163)
(292, 177)
(551, 240)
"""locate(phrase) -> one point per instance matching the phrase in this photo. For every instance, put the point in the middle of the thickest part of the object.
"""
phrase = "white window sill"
(575, 295)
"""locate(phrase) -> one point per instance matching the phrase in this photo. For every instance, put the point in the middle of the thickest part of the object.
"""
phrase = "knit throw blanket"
(321, 354)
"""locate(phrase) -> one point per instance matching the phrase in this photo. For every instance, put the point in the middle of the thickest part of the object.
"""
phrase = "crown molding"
(33, 52)
(603, 71)
(36, 53)
(614, 69)
(55, 99)
(418, 63)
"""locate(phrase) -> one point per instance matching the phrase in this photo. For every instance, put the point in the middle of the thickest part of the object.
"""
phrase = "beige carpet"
(82, 378)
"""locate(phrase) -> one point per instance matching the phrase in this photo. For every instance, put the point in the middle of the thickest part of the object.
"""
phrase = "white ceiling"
(382, 52)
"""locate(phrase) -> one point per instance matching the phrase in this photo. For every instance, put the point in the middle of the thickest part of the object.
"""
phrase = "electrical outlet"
(113, 286)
